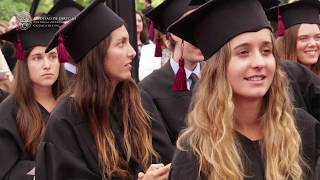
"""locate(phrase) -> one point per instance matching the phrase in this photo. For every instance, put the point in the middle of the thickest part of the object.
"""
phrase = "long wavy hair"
(30, 121)
(287, 47)
(211, 126)
(93, 95)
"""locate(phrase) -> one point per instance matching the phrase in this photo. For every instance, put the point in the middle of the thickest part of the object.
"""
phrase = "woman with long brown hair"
(99, 130)
(298, 32)
(39, 80)
(142, 30)
(242, 124)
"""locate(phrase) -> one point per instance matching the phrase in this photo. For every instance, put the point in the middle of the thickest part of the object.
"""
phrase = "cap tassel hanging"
(20, 52)
(158, 50)
(281, 28)
(180, 81)
(63, 54)
(151, 30)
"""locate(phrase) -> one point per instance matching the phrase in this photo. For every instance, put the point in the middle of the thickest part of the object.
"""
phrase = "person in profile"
(166, 92)
(99, 129)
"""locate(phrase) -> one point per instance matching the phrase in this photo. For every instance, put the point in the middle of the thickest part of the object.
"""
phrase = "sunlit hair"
(211, 136)
(93, 95)
(30, 121)
(287, 47)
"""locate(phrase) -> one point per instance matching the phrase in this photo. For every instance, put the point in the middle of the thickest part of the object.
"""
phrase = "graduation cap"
(297, 12)
(198, 2)
(215, 23)
(65, 8)
(164, 15)
(151, 26)
(26, 39)
(86, 31)
(168, 12)
(146, 10)
(266, 4)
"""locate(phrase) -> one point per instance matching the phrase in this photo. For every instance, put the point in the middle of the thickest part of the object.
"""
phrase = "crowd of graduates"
(228, 89)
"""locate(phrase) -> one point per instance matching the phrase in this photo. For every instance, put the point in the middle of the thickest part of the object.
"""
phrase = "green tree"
(140, 4)
(9, 8)
(84, 2)
(44, 6)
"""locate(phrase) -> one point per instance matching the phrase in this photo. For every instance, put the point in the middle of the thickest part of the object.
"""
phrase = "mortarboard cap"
(65, 8)
(163, 16)
(266, 4)
(215, 23)
(147, 10)
(168, 12)
(297, 12)
(198, 2)
(87, 30)
(36, 35)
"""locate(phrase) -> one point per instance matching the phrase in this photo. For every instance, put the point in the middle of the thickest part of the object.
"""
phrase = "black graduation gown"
(305, 87)
(9, 52)
(15, 162)
(3, 95)
(167, 108)
(184, 165)
(68, 149)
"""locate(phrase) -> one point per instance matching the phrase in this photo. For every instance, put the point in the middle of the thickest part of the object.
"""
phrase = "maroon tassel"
(151, 31)
(180, 82)
(63, 54)
(281, 28)
(20, 52)
(158, 50)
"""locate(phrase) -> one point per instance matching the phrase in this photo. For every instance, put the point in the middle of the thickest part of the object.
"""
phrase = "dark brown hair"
(145, 29)
(93, 95)
(30, 122)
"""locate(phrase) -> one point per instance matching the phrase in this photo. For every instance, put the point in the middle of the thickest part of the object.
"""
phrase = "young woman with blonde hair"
(242, 124)
(99, 130)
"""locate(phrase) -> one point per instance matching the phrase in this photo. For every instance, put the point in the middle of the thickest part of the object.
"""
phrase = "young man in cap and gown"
(166, 92)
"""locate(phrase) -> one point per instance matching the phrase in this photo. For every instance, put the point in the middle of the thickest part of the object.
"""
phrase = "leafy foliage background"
(9, 8)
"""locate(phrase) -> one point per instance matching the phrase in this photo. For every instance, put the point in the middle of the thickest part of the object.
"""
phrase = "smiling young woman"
(242, 124)
(301, 39)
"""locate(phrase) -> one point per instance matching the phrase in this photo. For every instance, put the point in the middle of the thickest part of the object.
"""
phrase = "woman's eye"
(122, 43)
(266, 51)
(303, 38)
(37, 58)
(53, 56)
(243, 52)
(317, 38)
